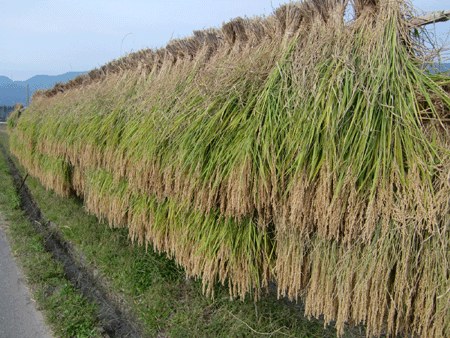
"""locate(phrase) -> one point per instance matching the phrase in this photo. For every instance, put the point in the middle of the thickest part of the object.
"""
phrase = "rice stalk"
(302, 148)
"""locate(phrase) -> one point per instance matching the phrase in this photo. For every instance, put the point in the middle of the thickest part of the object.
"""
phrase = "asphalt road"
(18, 315)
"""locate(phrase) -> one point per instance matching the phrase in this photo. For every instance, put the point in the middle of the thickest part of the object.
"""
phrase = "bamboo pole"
(430, 17)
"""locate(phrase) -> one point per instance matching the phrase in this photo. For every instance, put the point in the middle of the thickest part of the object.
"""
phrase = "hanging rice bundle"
(302, 148)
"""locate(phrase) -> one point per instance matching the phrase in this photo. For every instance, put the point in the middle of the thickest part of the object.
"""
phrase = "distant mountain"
(443, 67)
(5, 80)
(16, 91)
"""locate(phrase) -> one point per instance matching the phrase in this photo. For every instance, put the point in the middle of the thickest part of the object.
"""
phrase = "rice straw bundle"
(302, 148)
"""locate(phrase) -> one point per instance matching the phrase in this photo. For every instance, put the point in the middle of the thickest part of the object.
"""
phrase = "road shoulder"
(19, 316)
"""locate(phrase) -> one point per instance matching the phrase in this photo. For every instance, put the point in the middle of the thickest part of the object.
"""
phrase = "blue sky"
(54, 37)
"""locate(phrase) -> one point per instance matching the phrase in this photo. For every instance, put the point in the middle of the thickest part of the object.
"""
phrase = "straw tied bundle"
(300, 148)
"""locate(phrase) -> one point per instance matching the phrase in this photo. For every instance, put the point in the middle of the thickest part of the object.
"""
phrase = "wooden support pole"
(430, 17)
(23, 182)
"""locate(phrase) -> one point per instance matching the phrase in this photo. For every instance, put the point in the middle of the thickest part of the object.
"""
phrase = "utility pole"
(28, 98)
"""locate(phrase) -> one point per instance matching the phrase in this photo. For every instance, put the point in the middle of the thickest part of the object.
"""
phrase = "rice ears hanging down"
(309, 148)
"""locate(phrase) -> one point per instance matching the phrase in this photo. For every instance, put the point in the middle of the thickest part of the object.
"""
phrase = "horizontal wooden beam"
(430, 17)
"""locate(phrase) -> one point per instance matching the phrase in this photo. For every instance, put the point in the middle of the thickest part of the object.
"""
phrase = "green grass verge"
(168, 304)
(67, 313)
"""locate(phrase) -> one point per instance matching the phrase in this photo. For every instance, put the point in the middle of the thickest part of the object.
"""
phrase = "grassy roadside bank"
(67, 313)
(149, 285)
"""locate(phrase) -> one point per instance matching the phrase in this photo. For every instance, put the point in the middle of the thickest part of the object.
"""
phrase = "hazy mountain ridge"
(443, 67)
(16, 91)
